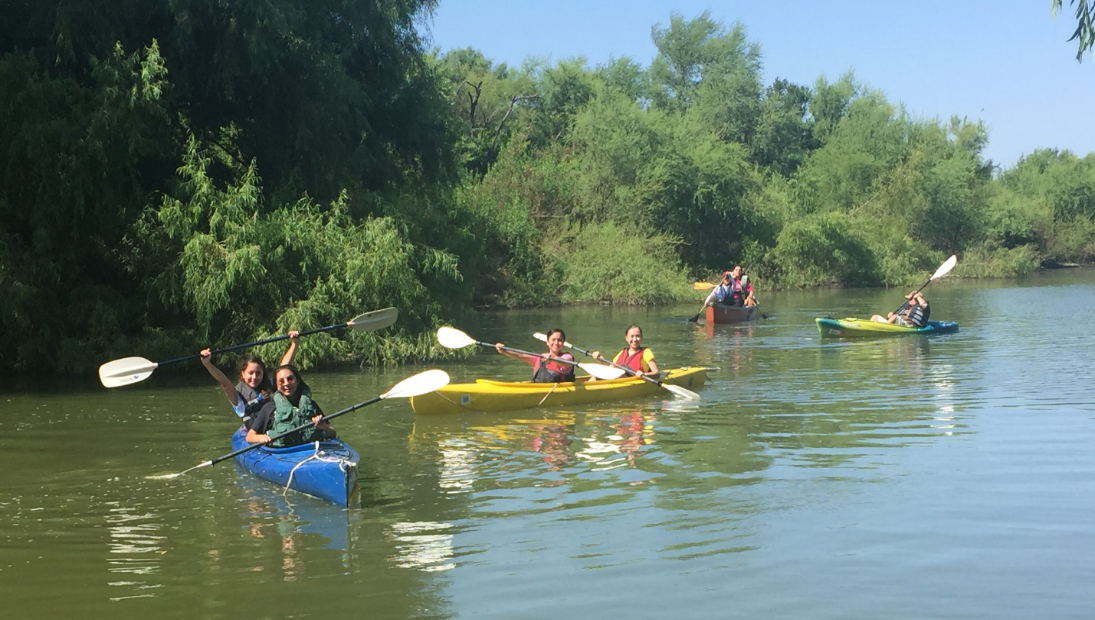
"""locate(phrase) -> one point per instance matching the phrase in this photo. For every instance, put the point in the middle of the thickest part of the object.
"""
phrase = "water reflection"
(426, 545)
(134, 549)
(294, 521)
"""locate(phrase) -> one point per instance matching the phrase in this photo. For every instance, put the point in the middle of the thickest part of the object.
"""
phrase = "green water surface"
(901, 477)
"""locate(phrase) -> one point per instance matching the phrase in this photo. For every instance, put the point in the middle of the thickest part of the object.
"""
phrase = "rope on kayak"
(317, 456)
(548, 394)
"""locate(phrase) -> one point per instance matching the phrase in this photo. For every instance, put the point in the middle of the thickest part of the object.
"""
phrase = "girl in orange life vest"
(543, 369)
(635, 356)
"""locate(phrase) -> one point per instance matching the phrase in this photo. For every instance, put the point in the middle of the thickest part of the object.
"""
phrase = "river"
(950, 476)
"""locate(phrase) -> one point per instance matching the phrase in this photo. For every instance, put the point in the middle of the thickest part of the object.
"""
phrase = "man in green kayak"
(915, 314)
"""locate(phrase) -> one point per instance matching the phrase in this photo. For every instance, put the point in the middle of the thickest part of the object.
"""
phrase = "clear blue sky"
(1005, 62)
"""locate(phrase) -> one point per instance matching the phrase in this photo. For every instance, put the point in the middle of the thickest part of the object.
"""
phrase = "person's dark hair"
(301, 385)
(266, 385)
(629, 327)
(552, 332)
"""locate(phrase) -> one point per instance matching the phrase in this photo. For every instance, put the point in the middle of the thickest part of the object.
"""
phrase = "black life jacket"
(542, 373)
(253, 400)
(916, 316)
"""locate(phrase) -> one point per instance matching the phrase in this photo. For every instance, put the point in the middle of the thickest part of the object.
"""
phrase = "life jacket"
(634, 362)
(287, 417)
(740, 290)
(552, 372)
(916, 316)
(724, 294)
(253, 400)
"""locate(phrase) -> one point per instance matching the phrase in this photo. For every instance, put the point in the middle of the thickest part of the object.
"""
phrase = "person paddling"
(254, 390)
(293, 407)
(914, 315)
(545, 370)
(742, 289)
(635, 356)
(735, 290)
(723, 293)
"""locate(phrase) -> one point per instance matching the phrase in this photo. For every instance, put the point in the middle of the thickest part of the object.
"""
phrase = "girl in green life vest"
(253, 392)
(293, 407)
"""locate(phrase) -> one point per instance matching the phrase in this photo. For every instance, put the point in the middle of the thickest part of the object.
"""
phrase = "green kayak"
(844, 328)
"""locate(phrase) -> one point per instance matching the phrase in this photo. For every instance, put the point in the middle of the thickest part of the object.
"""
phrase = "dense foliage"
(201, 172)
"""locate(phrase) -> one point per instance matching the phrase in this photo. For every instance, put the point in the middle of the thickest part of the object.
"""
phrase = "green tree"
(1085, 23)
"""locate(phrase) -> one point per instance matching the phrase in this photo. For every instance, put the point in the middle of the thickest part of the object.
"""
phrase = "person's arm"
(260, 423)
(707, 302)
(528, 359)
(324, 425)
(253, 437)
(226, 385)
(294, 345)
(655, 372)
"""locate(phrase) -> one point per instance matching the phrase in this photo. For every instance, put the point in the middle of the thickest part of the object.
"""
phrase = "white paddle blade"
(372, 321)
(186, 471)
(601, 371)
(680, 392)
(945, 268)
(125, 371)
(422, 383)
(452, 338)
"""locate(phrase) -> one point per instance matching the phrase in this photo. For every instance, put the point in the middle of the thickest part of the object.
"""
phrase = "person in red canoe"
(636, 357)
(543, 369)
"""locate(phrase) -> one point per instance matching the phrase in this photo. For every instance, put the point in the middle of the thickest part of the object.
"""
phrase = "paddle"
(943, 270)
(422, 383)
(452, 338)
(676, 389)
(698, 314)
(129, 370)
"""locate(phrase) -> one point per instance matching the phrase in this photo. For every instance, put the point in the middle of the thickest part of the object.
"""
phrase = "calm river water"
(916, 477)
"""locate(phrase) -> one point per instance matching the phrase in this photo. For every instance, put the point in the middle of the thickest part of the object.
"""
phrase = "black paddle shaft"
(255, 343)
(297, 429)
(554, 359)
(905, 305)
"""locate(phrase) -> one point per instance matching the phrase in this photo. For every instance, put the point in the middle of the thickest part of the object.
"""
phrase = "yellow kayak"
(488, 395)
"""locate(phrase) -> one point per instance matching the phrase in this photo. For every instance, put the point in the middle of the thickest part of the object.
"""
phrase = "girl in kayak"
(636, 357)
(293, 407)
(545, 370)
(254, 389)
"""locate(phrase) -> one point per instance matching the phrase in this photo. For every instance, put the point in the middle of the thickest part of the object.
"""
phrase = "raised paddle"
(452, 338)
(422, 383)
(130, 370)
(943, 270)
(676, 389)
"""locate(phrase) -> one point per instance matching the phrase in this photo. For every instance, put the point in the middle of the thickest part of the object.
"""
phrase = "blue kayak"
(842, 328)
(327, 470)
